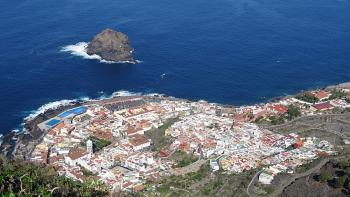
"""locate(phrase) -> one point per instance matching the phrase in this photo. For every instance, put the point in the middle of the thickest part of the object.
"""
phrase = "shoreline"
(18, 143)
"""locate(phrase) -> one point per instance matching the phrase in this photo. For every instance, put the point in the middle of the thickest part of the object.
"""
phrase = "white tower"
(89, 147)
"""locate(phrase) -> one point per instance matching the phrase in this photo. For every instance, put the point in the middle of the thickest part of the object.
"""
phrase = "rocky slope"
(111, 45)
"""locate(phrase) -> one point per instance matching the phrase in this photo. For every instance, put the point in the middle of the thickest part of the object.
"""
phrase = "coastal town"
(108, 140)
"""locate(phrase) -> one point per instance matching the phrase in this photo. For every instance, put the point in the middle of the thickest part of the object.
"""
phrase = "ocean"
(225, 51)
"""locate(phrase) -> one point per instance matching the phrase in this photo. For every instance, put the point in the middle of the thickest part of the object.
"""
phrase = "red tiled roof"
(138, 188)
(322, 106)
(279, 108)
(58, 127)
(128, 184)
(137, 140)
(321, 94)
(163, 153)
(77, 153)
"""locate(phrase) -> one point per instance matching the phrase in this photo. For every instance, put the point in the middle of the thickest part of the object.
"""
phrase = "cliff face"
(111, 46)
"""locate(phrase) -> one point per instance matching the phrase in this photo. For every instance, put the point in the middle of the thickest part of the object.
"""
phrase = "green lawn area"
(157, 135)
(99, 144)
(183, 159)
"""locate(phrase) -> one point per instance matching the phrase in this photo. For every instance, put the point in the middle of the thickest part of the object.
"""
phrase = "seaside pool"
(52, 122)
(75, 111)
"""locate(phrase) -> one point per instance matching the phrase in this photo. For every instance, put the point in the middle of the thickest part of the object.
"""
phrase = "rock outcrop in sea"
(111, 45)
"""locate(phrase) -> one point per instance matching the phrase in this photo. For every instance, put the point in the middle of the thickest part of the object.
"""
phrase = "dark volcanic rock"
(112, 46)
(26, 142)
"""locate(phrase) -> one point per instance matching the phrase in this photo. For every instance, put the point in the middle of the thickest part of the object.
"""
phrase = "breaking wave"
(48, 106)
(80, 49)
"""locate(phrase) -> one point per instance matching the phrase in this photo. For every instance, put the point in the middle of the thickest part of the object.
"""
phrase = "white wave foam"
(84, 98)
(125, 93)
(162, 75)
(121, 93)
(51, 105)
(80, 49)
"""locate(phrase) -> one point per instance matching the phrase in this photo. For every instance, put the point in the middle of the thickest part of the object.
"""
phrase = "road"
(252, 182)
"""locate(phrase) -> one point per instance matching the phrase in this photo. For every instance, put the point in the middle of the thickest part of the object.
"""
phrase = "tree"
(325, 176)
(340, 181)
(347, 171)
(343, 163)
(21, 178)
(308, 97)
(293, 112)
(337, 94)
(276, 120)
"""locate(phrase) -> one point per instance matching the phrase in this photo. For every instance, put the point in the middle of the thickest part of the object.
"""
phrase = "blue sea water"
(226, 51)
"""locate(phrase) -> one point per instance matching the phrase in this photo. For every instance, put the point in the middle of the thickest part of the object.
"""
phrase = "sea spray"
(48, 106)
(80, 49)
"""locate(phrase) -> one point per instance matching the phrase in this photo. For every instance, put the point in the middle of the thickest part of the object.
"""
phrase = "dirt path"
(252, 182)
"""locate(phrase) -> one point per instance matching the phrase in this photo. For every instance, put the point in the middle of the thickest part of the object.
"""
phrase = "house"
(139, 142)
(298, 144)
(74, 155)
(321, 106)
(265, 178)
(214, 165)
(339, 103)
(322, 95)
(281, 109)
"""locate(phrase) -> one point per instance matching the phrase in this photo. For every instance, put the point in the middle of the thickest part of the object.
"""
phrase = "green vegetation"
(326, 176)
(275, 120)
(347, 171)
(212, 186)
(19, 178)
(347, 100)
(308, 166)
(99, 144)
(203, 184)
(340, 181)
(167, 185)
(86, 172)
(158, 134)
(307, 97)
(337, 94)
(343, 164)
(293, 112)
(262, 121)
(183, 159)
(213, 125)
(227, 184)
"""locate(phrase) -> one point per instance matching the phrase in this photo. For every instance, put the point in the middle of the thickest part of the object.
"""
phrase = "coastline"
(21, 144)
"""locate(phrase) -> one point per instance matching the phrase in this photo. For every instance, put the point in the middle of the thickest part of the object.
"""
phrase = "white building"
(265, 178)
(214, 165)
